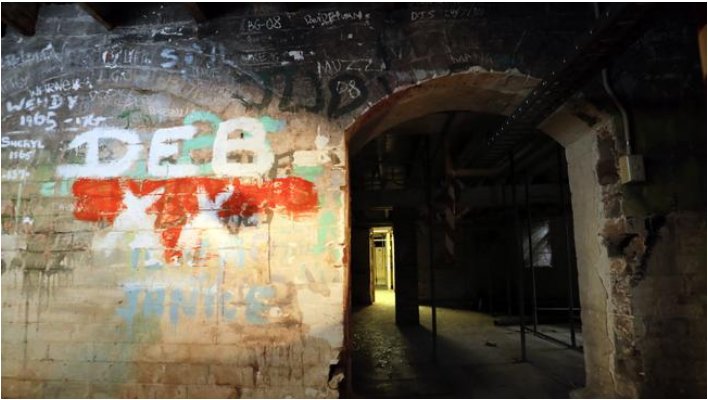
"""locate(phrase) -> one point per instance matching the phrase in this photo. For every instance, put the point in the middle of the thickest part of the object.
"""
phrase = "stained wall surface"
(174, 195)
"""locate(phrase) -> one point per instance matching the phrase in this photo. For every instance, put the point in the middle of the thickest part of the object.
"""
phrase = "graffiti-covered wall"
(175, 195)
(160, 237)
(145, 243)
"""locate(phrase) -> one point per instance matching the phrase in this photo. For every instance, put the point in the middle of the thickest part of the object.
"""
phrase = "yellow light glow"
(385, 298)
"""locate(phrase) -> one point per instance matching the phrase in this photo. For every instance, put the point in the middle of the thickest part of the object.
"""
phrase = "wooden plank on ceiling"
(21, 16)
(197, 11)
(101, 13)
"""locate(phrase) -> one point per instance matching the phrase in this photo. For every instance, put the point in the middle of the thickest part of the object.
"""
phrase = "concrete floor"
(476, 359)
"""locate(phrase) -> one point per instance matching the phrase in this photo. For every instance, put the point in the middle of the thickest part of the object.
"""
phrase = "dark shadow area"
(476, 359)
(509, 250)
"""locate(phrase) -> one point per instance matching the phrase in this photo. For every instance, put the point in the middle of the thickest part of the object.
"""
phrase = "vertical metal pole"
(393, 262)
(519, 260)
(564, 219)
(431, 210)
(508, 266)
(490, 289)
(389, 257)
(534, 315)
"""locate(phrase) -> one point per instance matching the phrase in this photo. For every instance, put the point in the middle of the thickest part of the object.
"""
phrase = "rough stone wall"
(159, 238)
(655, 230)
(593, 266)
(677, 272)
(174, 196)
(641, 279)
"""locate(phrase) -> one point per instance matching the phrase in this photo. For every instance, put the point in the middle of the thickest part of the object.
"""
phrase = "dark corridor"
(511, 250)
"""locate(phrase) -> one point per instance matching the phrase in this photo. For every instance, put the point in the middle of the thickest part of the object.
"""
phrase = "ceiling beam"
(478, 197)
(21, 16)
(611, 34)
(197, 11)
(101, 13)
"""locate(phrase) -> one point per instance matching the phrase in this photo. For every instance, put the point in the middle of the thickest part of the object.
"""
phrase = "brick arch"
(588, 136)
(475, 91)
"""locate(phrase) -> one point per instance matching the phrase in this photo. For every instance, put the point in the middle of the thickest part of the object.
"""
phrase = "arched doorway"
(587, 137)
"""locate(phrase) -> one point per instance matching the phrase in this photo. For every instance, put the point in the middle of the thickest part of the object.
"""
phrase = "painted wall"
(174, 196)
(160, 238)
(179, 252)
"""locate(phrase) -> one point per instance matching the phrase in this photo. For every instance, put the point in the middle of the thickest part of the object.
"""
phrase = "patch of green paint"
(198, 142)
(206, 169)
(321, 198)
(184, 159)
(272, 125)
(338, 254)
(126, 113)
(43, 173)
(203, 116)
(325, 229)
(139, 170)
(134, 114)
(47, 189)
(66, 186)
(309, 173)
(338, 196)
